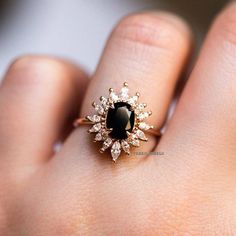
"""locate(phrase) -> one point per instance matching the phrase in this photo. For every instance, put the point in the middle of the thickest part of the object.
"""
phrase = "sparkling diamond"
(124, 93)
(125, 146)
(140, 134)
(94, 118)
(99, 109)
(113, 97)
(144, 126)
(143, 116)
(141, 107)
(115, 150)
(98, 137)
(95, 128)
(120, 119)
(107, 143)
(133, 100)
(135, 142)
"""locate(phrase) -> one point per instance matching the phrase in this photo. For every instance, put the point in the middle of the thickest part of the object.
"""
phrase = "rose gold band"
(84, 121)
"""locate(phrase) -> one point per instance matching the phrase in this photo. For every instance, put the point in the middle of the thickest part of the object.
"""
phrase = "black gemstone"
(120, 119)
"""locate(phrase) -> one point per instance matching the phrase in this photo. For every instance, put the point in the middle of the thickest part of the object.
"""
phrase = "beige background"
(77, 29)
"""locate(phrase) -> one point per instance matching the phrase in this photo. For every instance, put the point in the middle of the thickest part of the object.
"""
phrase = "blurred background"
(78, 29)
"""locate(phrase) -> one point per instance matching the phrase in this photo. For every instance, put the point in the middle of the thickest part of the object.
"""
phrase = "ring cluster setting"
(119, 122)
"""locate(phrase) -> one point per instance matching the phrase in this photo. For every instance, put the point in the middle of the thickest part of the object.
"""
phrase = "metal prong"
(93, 104)
(138, 94)
(109, 130)
(125, 84)
(87, 118)
(102, 98)
(111, 90)
(112, 105)
(150, 113)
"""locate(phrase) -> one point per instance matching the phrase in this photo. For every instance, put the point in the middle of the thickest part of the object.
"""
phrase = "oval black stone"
(120, 119)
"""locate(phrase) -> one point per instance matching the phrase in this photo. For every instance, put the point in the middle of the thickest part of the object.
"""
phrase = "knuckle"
(149, 29)
(27, 61)
(32, 69)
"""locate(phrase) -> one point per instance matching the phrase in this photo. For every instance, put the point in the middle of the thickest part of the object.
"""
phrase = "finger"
(37, 97)
(206, 115)
(141, 52)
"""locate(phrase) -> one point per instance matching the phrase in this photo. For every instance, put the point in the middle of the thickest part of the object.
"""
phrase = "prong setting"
(136, 133)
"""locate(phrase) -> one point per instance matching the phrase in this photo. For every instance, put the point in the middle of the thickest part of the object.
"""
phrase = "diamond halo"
(121, 110)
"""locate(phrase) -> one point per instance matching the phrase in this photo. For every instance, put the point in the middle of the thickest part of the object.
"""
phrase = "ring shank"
(84, 121)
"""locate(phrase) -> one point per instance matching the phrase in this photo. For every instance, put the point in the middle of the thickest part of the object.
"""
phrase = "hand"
(190, 190)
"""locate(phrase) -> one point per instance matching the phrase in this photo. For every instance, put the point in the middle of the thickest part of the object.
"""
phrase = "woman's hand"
(188, 191)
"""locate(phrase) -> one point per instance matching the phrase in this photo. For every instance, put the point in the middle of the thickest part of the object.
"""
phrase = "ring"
(119, 122)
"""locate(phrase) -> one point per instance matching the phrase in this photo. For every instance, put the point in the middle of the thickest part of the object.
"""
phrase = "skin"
(188, 191)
